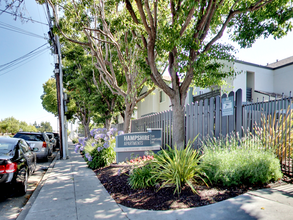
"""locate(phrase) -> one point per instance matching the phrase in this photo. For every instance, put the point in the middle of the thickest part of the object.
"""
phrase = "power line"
(28, 60)
(22, 59)
(23, 56)
(19, 30)
(29, 19)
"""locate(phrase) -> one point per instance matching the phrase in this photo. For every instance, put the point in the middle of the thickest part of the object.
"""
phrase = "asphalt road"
(12, 206)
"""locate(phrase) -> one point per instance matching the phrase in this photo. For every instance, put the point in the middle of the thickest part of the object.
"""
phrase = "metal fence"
(206, 118)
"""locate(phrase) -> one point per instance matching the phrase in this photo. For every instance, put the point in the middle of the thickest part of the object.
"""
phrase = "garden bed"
(164, 199)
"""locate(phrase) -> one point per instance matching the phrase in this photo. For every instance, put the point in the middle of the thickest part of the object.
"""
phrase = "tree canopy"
(12, 125)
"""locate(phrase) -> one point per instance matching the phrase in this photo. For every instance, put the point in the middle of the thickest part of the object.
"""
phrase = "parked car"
(17, 163)
(52, 139)
(56, 135)
(38, 140)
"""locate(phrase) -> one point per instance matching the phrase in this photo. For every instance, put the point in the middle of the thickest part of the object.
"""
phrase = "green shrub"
(102, 158)
(177, 167)
(141, 177)
(75, 140)
(235, 161)
(98, 151)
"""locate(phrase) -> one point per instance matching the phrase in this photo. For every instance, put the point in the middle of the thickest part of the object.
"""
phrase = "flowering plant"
(99, 149)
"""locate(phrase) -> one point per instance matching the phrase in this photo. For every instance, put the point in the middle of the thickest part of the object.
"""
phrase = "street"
(12, 206)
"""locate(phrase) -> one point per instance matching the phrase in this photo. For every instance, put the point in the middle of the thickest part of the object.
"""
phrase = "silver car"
(52, 139)
(37, 140)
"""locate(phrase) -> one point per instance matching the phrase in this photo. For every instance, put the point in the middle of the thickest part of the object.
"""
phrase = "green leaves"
(49, 96)
(141, 177)
(235, 161)
(178, 168)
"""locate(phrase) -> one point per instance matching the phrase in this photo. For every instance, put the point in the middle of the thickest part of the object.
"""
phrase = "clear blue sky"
(21, 85)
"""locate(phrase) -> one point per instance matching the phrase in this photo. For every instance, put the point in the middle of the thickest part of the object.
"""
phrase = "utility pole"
(59, 86)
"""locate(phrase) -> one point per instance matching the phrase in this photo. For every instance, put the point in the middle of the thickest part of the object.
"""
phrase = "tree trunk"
(108, 123)
(178, 103)
(86, 125)
(127, 118)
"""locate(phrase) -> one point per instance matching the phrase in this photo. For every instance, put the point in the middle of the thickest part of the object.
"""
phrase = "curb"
(22, 215)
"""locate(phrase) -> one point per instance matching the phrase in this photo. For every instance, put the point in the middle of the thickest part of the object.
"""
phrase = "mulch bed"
(165, 199)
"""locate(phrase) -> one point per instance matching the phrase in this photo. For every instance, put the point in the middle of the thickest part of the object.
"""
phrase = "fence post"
(224, 120)
(232, 118)
(211, 117)
(218, 117)
(239, 111)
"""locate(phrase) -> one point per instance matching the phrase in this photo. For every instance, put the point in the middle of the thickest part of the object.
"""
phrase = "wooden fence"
(206, 118)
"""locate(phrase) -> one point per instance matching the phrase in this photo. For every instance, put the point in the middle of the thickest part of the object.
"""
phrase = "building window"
(162, 96)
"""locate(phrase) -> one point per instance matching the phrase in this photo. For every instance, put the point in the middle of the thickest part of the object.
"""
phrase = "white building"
(256, 81)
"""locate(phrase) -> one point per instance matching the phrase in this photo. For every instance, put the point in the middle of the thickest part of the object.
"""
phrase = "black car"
(17, 163)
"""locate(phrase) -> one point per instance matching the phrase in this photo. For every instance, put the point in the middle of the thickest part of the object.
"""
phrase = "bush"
(75, 140)
(98, 151)
(234, 161)
(177, 167)
(141, 177)
(96, 159)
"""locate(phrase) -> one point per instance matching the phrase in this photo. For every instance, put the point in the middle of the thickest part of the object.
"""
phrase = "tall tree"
(82, 82)
(114, 51)
(184, 35)
(10, 125)
(45, 127)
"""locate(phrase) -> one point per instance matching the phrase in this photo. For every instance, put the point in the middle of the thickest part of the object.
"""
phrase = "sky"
(21, 84)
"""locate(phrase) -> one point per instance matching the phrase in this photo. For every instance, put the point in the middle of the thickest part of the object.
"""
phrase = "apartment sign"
(228, 106)
(137, 143)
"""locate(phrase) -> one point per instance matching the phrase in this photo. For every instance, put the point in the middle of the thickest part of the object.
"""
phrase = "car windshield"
(6, 147)
(30, 137)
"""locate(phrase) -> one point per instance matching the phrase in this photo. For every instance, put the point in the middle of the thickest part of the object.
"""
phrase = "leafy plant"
(99, 150)
(234, 161)
(102, 158)
(75, 140)
(275, 133)
(141, 177)
(177, 167)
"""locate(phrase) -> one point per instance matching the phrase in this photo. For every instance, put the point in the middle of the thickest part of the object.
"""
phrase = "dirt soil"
(165, 199)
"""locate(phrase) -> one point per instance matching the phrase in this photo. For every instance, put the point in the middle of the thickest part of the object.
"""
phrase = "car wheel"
(45, 159)
(23, 187)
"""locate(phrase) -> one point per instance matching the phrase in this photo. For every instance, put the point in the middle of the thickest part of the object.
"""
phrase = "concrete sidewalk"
(72, 191)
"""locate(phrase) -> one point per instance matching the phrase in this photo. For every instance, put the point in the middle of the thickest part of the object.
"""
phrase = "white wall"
(283, 80)
(263, 79)
(151, 104)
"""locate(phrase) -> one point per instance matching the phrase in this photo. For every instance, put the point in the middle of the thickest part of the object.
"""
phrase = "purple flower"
(106, 144)
(81, 141)
(99, 149)
(76, 147)
(93, 144)
(109, 133)
(92, 132)
(88, 156)
(119, 172)
(120, 132)
(99, 136)
(82, 148)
